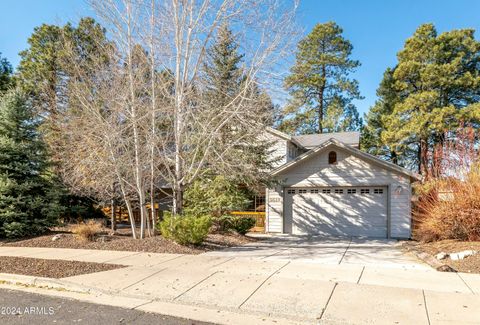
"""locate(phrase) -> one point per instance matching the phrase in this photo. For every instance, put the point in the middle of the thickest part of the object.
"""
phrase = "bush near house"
(214, 196)
(237, 223)
(185, 229)
(452, 216)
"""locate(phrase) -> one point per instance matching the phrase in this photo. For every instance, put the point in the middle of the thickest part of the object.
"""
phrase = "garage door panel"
(357, 211)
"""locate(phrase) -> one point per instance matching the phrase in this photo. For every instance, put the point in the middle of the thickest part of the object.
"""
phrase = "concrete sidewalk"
(243, 289)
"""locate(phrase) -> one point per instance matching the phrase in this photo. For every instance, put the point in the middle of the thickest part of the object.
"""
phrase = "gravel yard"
(122, 241)
(50, 268)
(470, 264)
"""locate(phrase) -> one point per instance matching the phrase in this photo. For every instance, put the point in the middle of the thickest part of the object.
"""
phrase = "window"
(314, 191)
(332, 157)
(326, 190)
(302, 191)
(365, 191)
(351, 190)
(378, 191)
(338, 191)
(290, 191)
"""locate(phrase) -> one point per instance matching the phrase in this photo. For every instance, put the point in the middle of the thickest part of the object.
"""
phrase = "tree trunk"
(131, 217)
(177, 199)
(320, 113)
(114, 216)
(153, 212)
(153, 122)
(394, 157)
(438, 143)
(320, 103)
(423, 158)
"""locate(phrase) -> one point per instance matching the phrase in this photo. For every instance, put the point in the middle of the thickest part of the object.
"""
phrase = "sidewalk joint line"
(171, 259)
(280, 251)
(345, 253)
(196, 284)
(228, 260)
(361, 273)
(465, 282)
(143, 279)
(328, 301)
(261, 284)
(425, 304)
(118, 258)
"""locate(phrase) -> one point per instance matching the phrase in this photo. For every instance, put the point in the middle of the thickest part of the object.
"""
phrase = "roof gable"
(360, 154)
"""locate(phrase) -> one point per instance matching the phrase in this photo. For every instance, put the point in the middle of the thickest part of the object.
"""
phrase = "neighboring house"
(327, 186)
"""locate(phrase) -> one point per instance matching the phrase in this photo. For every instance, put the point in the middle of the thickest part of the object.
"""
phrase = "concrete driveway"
(333, 251)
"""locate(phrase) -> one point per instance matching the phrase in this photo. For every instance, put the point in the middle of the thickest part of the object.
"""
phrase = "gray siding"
(275, 209)
(349, 171)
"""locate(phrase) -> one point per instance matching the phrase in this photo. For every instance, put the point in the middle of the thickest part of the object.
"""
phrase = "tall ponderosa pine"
(320, 86)
(437, 86)
(371, 139)
(28, 204)
(43, 70)
(44, 74)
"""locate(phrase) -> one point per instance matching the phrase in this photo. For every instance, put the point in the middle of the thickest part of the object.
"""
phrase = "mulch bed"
(470, 264)
(122, 241)
(50, 268)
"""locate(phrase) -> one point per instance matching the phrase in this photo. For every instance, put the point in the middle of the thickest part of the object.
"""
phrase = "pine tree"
(223, 74)
(28, 204)
(437, 84)
(226, 80)
(320, 86)
(229, 89)
(6, 71)
(371, 139)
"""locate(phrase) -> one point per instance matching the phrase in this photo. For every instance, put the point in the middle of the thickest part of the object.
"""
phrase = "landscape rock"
(57, 237)
(103, 239)
(461, 255)
(441, 256)
(445, 268)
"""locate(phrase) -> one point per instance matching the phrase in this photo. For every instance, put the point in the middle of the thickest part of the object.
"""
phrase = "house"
(327, 186)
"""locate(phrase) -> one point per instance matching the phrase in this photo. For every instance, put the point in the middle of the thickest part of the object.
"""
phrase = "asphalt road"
(18, 307)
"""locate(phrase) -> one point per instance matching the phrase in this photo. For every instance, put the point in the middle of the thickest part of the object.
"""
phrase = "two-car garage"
(336, 211)
(335, 189)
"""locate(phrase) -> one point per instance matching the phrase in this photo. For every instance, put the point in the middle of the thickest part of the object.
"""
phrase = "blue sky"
(376, 28)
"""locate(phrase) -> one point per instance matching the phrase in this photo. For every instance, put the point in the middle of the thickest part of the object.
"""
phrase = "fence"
(259, 219)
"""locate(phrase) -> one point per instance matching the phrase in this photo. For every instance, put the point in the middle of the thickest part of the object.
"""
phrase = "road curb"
(46, 283)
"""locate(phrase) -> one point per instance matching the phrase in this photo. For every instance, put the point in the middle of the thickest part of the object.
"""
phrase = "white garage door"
(336, 211)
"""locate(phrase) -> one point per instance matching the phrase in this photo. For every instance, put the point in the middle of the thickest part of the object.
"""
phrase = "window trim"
(332, 158)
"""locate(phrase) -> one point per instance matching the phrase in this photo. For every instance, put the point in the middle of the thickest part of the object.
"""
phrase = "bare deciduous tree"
(139, 115)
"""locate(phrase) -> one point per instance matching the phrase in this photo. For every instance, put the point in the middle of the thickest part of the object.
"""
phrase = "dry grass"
(86, 231)
(454, 217)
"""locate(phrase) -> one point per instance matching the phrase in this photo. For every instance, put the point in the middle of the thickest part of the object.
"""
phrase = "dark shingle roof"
(313, 140)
